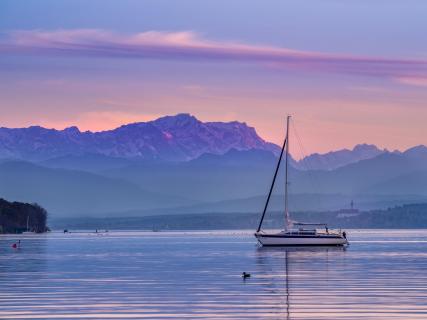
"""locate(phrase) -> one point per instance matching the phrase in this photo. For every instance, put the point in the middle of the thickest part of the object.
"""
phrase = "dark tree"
(14, 217)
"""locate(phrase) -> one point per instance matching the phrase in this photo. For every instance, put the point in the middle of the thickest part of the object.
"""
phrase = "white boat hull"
(280, 239)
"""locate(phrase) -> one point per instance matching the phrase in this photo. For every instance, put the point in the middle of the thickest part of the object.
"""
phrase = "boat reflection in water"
(295, 274)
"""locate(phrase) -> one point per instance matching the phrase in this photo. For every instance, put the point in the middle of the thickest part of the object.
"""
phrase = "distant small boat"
(296, 234)
(28, 227)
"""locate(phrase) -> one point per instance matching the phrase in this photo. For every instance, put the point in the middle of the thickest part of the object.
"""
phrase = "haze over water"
(197, 275)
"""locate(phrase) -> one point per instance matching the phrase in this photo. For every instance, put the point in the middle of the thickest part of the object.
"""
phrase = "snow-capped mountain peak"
(171, 138)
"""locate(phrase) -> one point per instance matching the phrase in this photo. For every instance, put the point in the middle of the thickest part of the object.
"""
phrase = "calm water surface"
(196, 275)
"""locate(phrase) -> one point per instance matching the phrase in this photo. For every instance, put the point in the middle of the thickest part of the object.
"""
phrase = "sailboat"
(28, 226)
(296, 234)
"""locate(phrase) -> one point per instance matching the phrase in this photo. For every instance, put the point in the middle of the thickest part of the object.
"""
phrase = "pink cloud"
(413, 81)
(190, 46)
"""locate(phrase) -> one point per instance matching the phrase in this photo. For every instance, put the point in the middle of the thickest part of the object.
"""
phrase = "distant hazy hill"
(173, 138)
(355, 177)
(68, 192)
(339, 158)
(242, 174)
(235, 174)
(86, 162)
(406, 216)
(235, 181)
(298, 202)
(376, 175)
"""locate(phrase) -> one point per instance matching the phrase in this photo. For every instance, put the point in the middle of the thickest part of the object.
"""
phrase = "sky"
(348, 72)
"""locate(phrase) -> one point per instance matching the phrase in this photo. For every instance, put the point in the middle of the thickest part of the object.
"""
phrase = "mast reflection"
(271, 260)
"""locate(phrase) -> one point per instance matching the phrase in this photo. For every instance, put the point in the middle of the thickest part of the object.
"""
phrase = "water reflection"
(198, 276)
(28, 258)
(290, 263)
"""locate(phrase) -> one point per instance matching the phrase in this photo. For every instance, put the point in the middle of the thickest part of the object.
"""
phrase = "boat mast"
(272, 186)
(287, 220)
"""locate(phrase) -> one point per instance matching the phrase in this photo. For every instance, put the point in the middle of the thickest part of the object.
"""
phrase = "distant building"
(348, 212)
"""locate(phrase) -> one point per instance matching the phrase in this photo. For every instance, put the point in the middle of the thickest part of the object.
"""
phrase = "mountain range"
(171, 138)
(178, 164)
(335, 159)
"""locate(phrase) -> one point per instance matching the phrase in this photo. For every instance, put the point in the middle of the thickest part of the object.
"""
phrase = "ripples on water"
(197, 275)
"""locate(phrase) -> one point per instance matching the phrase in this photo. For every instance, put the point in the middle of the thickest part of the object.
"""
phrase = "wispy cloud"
(190, 46)
(413, 81)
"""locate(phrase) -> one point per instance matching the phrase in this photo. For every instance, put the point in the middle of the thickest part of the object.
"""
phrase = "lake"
(197, 275)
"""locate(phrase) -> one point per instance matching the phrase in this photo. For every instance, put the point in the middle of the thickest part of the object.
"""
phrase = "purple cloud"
(189, 46)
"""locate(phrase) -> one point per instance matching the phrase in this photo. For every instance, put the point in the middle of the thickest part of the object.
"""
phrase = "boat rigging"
(295, 234)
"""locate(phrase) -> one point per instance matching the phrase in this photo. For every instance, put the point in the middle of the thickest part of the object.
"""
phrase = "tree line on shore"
(18, 217)
(406, 216)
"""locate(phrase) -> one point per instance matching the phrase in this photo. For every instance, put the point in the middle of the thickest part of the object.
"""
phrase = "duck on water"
(296, 234)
